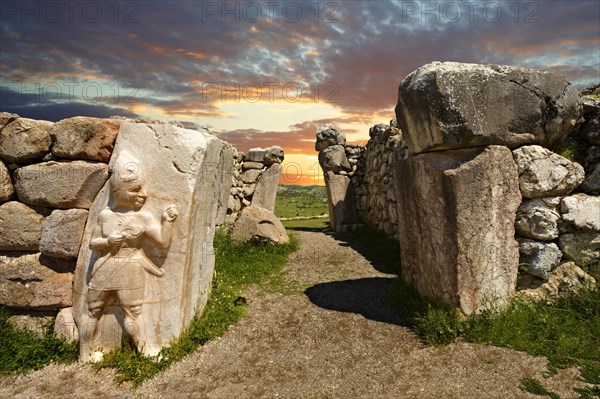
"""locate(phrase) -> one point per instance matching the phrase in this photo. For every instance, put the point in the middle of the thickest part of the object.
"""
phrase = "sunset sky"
(269, 72)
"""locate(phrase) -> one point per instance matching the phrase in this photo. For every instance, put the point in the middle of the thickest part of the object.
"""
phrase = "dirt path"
(320, 330)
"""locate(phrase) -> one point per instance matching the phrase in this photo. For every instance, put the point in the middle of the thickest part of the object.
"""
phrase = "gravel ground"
(320, 330)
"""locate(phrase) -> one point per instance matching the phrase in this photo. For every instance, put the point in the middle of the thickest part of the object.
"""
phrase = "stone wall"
(479, 187)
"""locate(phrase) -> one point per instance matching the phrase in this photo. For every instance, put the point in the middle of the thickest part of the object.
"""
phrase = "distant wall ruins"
(465, 180)
(51, 174)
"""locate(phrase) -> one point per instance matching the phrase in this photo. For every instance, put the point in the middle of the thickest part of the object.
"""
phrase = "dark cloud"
(56, 112)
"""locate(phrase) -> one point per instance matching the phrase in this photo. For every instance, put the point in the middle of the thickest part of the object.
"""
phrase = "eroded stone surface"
(340, 196)
(273, 154)
(538, 219)
(580, 212)
(581, 247)
(456, 213)
(6, 187)
(265, 192)
(539, 258)
(84, 137)
(62, 232)
(543, 173)
(65, 327)
(566, 279)
(6, 118)
(20, 226)
(255, 222)
(328, 136)
(149, 240)
(27, 284)
(25, 140)
(455, 105)
(333, 158)
(60, 185)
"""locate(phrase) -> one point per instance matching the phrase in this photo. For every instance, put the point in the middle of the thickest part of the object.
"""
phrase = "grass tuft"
(21, 350)
(535, 387)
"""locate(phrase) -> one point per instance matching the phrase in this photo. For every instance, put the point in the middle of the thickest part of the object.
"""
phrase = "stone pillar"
(146, 262)
(340, 196)
(456, 212)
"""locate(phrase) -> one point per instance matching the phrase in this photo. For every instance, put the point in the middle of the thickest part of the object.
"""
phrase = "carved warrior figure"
(122, 231)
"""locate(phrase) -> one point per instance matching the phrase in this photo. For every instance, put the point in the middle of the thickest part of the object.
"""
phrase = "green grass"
(21, 350)
(571, 150)
(535, 387)
(306, 224)
(237, 266)
(295, 202)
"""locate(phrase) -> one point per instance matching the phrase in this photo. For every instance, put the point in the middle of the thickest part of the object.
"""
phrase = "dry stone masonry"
(79, 196)
(470, 181)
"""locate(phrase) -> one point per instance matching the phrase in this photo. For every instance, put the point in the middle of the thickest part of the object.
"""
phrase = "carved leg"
(131, 302)
(89, 350)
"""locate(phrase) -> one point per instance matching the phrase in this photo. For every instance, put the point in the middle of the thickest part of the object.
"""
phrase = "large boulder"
(328, 136)
(581, 247)
(62, 232)
(333, 158)
(580, 212)
(27, 284)
(6, 118)
(256, 155)
(538, 219)
(539, 258)
(6, 187)
(60, 185)
(25, 140)
(565, 280)
(543, 173)
(456, 213)
(273, 154)
(591, 184)
(265, 192)
(255, 222)
(341, 200)
(162, 201)
(20, 226)
(454, 105)
(83, 137)
(590, 128)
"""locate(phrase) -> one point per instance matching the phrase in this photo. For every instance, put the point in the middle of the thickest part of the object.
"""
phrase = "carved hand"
(170, 213)
(115, 239)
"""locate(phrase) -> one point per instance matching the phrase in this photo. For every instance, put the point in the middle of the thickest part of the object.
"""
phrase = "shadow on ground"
(365, 296)
(385, 258)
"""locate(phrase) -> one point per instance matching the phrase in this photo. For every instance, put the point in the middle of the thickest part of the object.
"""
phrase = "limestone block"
(6, 118)
(340, 195)
(454, 105)
(62, 232)
(35, 322)
(581, 247)
(65, 327)
(456, 214)
(250, 176)
(539, 258)
(225, 174)
(266, 188)
(234, 204)
(60, 185)
(256, 155)
(248, 189)
(580, 212)
(566, 279)
(20, 226)
(538, 218)
(333, 158)
(255, 222)
(25, 140)
(328, 136)
(27, 284)
(273, 154)
(252, 165)
(543, 173)
(148, 240)
(83, 137)
(6, 187)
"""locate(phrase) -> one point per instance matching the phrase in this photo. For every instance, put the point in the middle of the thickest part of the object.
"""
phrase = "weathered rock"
(256, 155)
(340, 195)
(580, 212)
(538, 219)
(255, 222)
(6, 187)
(62, 232)
(543, 173)
(539, 258)
(333, 158)
(582, 247)
(25, 140)
(590, 128)
(26, 284)
(328, 136)
(159, 207)
(456, 212)
(248, 190)
(35, 322)
(60, 185)
(83, 137)
(265, 193)
(591, 184)
(234, 204)
(566, 279)
(454, 105)
(65, 327)
(252, 165)
(591, 159)
(250, 176)
(225, 174)
(20, 226)
(6, 118)
(273, 154)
